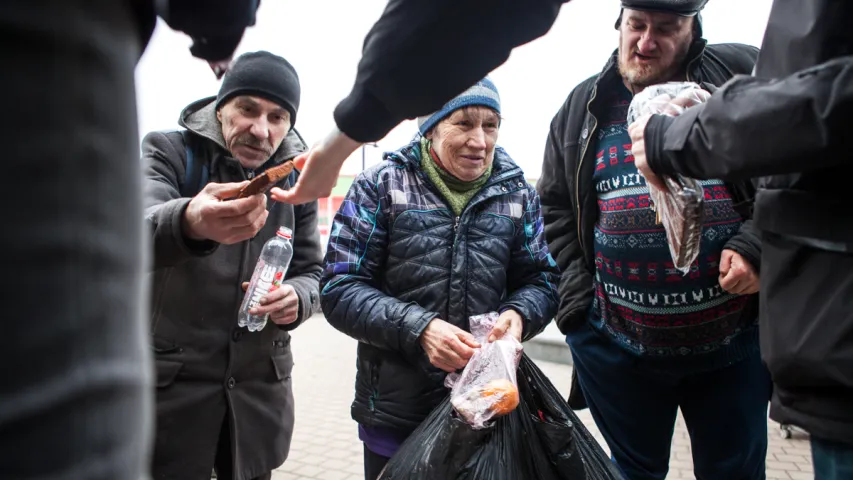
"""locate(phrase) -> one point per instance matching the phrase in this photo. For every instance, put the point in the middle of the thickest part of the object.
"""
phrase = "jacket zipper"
(457, 218)
(478, 199)
(580, 164)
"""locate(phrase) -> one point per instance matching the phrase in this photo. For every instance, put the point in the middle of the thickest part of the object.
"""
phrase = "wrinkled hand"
(509, 322)
(637, 131)
(210, 217)
(282, 304)
(447, 346)
(737, 276)
(319, 169)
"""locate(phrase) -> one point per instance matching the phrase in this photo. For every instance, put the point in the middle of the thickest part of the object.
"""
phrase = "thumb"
(244, 286)
(292, 196)
(499, 329)
(467, 339)
(725, 262)
(300, 160)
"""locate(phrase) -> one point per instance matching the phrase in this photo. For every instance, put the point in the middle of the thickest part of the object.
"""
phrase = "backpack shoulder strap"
(197, 173)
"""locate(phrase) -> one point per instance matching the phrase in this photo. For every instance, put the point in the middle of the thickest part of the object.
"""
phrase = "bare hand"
(509, 322)
(737, 276)
(281, 303)
(319, 169)
(447, 346)
(209, 217)
(637, 130)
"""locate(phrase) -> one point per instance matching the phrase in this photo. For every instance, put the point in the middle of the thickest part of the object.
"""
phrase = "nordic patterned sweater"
(641, 301)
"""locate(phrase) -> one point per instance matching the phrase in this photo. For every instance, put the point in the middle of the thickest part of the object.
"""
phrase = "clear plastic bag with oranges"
(487, 387)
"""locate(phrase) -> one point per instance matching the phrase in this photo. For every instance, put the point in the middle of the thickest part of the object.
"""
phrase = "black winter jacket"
(398, 258)
(791, 122)
(569, 202)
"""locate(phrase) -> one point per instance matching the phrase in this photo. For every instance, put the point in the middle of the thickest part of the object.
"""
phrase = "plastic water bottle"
(268, 275)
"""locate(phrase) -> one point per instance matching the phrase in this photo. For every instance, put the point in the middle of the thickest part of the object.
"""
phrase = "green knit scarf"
(457, 192)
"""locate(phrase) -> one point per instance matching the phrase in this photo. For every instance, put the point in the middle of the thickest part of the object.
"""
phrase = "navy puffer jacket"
(399, 258)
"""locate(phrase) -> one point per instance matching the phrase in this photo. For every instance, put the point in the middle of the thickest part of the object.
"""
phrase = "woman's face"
(465, 141)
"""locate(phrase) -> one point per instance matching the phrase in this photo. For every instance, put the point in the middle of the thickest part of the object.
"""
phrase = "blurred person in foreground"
(76, 401)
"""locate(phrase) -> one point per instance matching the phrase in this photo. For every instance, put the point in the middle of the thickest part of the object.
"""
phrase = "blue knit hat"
(483, 93)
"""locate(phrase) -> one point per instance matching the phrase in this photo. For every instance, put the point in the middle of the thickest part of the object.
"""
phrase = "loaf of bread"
(266, 180)
(681, 210)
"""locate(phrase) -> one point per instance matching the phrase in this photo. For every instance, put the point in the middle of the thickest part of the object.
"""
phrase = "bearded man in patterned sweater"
(647, 340)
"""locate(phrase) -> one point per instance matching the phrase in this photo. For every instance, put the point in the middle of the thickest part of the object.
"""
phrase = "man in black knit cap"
(224, 397)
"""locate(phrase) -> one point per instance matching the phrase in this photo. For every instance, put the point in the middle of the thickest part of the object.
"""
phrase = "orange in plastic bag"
(487, 387)
(504, 396)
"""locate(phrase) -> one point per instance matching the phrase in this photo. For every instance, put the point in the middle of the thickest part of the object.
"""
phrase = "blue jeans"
(635, 406)
(832, 460)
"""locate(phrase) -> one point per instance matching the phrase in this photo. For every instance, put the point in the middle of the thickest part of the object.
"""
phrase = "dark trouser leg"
(832, 460)
(224, 462)
(373, 464)
(76, 400)
(634, 410)
(726, 415)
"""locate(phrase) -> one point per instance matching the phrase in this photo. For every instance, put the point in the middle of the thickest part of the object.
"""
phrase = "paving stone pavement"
(325, 440)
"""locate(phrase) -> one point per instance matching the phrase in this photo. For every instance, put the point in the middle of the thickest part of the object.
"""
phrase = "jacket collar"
(199, 117)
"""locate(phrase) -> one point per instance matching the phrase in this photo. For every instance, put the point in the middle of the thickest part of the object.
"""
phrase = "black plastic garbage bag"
(542, 439)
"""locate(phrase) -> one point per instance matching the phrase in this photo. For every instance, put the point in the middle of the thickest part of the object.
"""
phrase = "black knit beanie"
(264, 75)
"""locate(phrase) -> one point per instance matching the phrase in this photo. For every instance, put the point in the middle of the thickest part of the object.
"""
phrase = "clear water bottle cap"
(284, 232)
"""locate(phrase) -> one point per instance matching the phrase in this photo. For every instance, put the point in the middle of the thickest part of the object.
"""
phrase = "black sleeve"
(747, 243)
(163, 172)
(307, 263)
(753, 127)
(575, 290)
(215, 27)
(468, 38)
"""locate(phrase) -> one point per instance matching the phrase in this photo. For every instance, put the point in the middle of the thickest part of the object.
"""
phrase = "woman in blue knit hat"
(445, 228)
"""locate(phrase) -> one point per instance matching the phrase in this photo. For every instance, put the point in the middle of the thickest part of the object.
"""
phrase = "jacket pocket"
(167, 371)
(283, 365)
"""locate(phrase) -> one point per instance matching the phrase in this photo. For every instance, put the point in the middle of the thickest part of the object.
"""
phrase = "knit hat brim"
(484, 93)
(258, 92)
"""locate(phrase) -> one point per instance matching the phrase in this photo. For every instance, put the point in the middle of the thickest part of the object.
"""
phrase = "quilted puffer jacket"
(398, 258)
